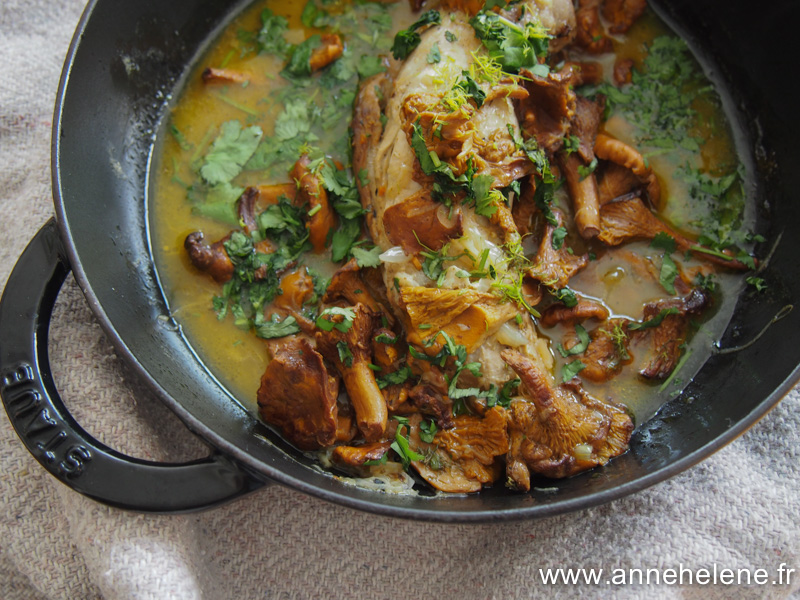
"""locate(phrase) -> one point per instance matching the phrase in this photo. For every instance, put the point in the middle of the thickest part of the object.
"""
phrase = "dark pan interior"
(131, 57)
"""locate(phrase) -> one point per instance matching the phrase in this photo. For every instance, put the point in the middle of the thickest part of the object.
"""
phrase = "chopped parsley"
(585, 170)
(400, 444)
(274, 328)
(664, 241)
(325, 323)
(758, 283)
(512, 45)
(559, 234)
(435, 55)
(383, 338)
(345, 355)
(427, 431)
(668, 274)
(270, 37)
(400, 376)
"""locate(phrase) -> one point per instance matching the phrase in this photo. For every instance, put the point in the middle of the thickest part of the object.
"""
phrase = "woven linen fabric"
(738, 509)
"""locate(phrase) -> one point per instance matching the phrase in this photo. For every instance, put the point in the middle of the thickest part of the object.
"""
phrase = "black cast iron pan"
(125, 61)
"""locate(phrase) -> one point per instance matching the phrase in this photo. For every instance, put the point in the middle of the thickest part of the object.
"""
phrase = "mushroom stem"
(583, 192)
(367, 400)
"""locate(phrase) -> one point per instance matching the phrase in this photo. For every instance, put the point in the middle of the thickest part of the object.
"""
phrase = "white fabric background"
(737, 509)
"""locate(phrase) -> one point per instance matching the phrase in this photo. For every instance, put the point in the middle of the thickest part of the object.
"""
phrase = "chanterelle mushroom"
(464, 458)
(298, 396)
(561, 431)
(348, 346)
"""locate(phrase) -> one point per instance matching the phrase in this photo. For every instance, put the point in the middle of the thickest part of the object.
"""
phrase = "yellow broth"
(238, 358)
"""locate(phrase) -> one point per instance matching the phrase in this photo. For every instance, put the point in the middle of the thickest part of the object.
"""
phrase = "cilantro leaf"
(293, 120)
(406, 40)
(275, 328)
(402, 448)
(343, 238)
(400, 376)
(230, 151)
(326, 324)
(655, 321)
(366, 258)
(580, 347)
(559, 234)
(427, 431)
(435, 55)
(369, 65)
(664, 241)
(299, 64)
(565, 295)
(345, 355)
(570, 370)
(271, 38)
(758, 283)
(512, 45)
(669, 271)
(585, 171)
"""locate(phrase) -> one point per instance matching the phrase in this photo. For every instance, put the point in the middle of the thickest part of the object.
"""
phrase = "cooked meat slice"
(330, 49)
(616, 151)
(561, 430)
(467, 316)
(468, 137)
(666, 339)
(212, 75)
(629, 219)
(585, 125)
(546, 114)
(585, 309)
(464, 458)
(310, 191)
(430, 402)
(418, 222)
(356, 456)
(590, 34)
(607, 351)
(622, 14)
(351, 352)
(583, 192)
(212, 259)
(298, 396)
(553, 267)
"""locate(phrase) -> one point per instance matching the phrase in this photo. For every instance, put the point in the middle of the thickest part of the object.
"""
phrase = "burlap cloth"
(737, 509)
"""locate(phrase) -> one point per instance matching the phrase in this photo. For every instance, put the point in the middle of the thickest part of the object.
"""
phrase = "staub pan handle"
(54, 438)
